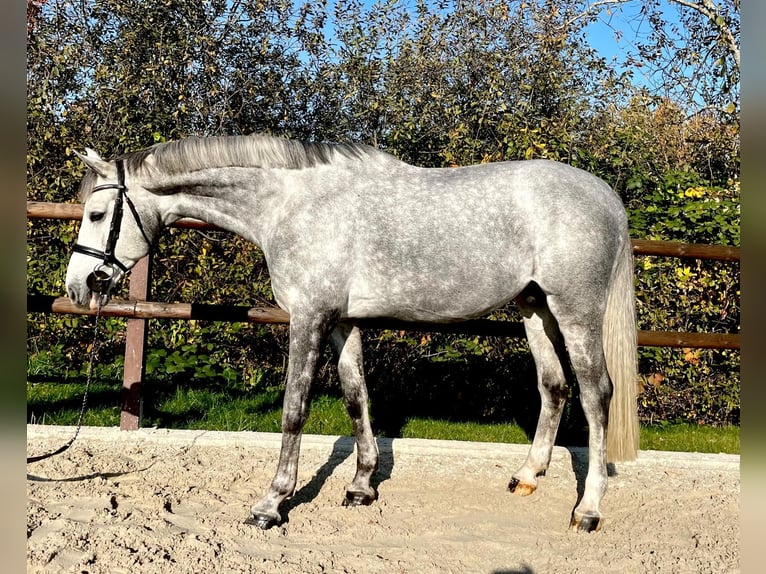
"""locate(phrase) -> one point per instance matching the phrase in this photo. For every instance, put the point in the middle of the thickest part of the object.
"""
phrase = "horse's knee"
(354, 409)
(293, 424)
(554, 390)
(294, 419)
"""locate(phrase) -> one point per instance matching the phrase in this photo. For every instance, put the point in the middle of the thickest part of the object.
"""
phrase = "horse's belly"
(428, 301)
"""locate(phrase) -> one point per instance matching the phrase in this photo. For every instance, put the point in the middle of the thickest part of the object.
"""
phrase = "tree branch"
(710, 11)
(591, 10)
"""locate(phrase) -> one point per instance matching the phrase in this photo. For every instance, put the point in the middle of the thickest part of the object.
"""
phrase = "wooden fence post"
(135, 347)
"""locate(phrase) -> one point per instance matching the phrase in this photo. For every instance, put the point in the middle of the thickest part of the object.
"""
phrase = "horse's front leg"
(307, 337)
(347, 342)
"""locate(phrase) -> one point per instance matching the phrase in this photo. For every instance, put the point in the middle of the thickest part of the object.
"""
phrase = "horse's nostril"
(76, 297)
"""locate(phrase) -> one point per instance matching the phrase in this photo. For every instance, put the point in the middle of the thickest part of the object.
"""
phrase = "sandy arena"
(176, 501)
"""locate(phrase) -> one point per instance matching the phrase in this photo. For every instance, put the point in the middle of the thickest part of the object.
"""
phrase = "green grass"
(448, 430)
(224, 408)
(59, 404)
(682, 437)
(690, 438)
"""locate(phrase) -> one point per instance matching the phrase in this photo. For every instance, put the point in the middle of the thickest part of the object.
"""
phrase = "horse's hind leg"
(308, 334)
(347, 342)
(547, 349)
(584, 344)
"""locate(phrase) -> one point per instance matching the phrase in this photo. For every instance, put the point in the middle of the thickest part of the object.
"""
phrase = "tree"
(689, 50)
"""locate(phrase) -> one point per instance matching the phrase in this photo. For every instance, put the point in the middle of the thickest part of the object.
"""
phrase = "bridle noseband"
(100, 280)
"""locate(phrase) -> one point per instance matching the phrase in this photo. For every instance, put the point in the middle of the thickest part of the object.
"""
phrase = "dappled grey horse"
(351, 233)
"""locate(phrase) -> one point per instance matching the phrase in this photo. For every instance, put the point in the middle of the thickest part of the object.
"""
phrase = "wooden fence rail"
(132, 309)
(138, 310)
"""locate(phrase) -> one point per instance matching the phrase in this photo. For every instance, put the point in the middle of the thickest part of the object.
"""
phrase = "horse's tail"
(621, 359)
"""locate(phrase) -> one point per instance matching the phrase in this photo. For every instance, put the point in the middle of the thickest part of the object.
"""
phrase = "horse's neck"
(230, 198)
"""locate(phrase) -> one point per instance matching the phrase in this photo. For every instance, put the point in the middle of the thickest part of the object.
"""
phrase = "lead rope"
(89, 376)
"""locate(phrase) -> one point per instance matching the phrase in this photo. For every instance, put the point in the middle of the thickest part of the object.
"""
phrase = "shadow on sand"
(341, 450)
(523, 570)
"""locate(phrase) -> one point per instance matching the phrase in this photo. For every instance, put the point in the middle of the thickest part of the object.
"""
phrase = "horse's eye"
(96, 216)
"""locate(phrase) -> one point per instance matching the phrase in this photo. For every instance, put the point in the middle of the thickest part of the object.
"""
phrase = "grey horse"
(351, 233)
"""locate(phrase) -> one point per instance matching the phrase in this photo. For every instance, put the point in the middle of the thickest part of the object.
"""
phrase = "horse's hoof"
(359, 498)
(262, 521)
(589, 522)
(521, 488)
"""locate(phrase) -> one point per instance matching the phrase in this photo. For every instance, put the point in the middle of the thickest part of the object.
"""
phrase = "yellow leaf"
(692, 356)
(655, 379)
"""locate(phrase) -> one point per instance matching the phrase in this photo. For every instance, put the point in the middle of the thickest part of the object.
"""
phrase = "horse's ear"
(94, 162)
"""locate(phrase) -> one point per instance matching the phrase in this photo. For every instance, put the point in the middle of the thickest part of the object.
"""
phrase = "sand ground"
(175, 501)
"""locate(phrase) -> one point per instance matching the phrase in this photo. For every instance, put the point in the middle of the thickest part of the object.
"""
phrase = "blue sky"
(613, 34)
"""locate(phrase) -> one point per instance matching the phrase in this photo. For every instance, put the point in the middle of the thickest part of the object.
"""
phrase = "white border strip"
(399, 446)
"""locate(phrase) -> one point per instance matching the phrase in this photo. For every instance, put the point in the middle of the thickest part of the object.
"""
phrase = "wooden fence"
(137, 309)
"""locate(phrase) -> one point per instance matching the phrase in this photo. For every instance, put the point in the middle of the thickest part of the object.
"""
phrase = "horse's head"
(115, 232)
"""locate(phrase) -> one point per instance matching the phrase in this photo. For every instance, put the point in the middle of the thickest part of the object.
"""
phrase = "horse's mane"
(198, 153)
(194, 153)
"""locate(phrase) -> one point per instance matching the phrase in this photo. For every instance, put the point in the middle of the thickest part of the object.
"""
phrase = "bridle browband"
(100, 281)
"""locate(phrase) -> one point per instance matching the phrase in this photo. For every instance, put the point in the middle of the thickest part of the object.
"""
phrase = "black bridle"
(100, 281)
